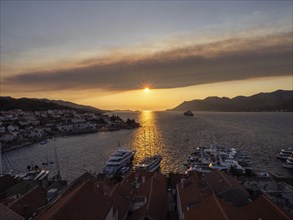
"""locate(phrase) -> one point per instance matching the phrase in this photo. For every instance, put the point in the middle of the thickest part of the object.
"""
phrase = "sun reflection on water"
(147, 140)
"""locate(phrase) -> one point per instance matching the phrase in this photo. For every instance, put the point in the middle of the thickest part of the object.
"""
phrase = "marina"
(257, 137)
(146, 110)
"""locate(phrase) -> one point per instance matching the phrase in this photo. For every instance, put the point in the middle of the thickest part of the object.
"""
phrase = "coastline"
(28, 144)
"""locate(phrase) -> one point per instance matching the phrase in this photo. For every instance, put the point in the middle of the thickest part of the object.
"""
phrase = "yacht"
(285, 153)
(188, 113)
(206, 159)
(199, 168)
(226, 165)
(149, 164)
(119, 159)
(289, 162)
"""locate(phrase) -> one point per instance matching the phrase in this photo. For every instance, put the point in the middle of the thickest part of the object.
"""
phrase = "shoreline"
(28, 144)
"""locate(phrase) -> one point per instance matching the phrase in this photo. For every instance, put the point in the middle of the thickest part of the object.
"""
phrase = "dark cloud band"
(234, 59)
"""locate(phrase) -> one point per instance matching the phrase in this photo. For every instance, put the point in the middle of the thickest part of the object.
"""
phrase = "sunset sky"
(105, 53)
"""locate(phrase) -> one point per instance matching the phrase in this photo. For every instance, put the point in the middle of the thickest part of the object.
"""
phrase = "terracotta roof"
(216, 208)
(220, 182)
(143, 190)
(155, 190)
(20, 188)
(121, 201)
(174, 179)
(8, 214)
(84, 202)
(264, 208)
(158, 198)
(30, 202)
(228, 188)
(210, 208)
(192, 190)
(6, 181)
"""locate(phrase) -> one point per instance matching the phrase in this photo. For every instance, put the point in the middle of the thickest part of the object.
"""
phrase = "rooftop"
(84, 202)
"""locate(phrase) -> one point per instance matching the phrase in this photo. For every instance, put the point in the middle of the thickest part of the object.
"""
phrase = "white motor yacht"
(149, 164)
(120, 158)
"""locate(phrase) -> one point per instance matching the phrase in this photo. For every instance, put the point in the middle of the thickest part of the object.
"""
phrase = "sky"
(104, 53)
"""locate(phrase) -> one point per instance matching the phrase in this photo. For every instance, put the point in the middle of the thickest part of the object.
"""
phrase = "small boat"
(263, 173)
(120, 158)
(188, 113)
(289, 162)
(149, 164)
(199, 168)
(226, 165)
(47, 163)
(44, 142)
(285, 153)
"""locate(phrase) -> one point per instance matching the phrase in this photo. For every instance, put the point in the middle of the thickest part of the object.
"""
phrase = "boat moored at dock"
(119, 159)
(149, 164)
(285, 153)
(289, 162)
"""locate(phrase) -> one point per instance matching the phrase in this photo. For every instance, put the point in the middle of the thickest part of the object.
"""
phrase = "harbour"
(146, 110)
(170, 134)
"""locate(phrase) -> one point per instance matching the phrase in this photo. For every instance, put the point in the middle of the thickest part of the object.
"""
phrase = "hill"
(280, 100)
(28, 104)
(76, 106)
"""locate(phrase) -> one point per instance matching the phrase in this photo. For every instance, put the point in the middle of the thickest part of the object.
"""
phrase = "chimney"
(142, 179)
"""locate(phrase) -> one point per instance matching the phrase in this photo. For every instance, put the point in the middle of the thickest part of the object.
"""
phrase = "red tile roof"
(228, 188)
(220, 182)
(216, 208)
(158, 198)
(30, 202)
(6, 181)
(192, 190)
(121, 201)
(154, 188)
(210, 208)
(7, 214)
(264, 208)
(84, 202)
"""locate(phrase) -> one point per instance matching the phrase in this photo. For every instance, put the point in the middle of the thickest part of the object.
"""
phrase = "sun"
(146, 90)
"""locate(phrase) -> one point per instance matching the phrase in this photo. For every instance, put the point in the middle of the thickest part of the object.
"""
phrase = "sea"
(171, 134)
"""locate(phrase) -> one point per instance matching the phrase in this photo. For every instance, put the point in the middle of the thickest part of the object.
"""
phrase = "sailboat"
(149, 164)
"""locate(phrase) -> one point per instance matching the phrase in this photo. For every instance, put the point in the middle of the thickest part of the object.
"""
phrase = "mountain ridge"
(34, 104)
(279, 100)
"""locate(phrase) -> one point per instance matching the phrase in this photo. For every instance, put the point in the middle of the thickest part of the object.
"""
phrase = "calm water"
(170, 134)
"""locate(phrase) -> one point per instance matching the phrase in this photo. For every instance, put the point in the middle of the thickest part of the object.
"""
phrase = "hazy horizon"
(124, 109)
(104, 54)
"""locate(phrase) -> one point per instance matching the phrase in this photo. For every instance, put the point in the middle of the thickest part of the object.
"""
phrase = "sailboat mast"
(57, 163)
(0, 159)
(144, 144)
